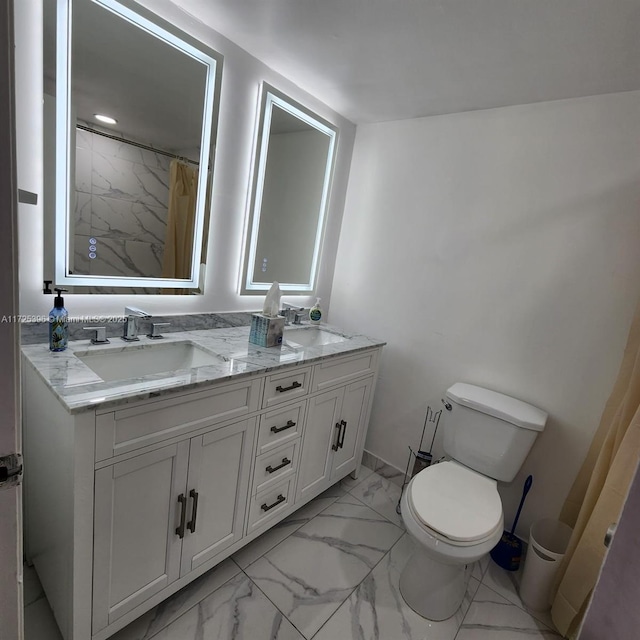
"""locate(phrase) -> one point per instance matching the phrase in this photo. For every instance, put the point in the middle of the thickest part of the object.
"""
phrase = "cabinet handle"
(194, 514)
(183, 515)
(285, 462)
(279, 499)
(344, 433)
(290, 423)
(294, 385)
(336, 445)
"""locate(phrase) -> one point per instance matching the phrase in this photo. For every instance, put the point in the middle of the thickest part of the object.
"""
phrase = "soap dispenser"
(315, 313)
(58, 324)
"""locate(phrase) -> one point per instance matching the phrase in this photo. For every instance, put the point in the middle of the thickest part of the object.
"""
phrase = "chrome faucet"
(131, 323)
(289, 310)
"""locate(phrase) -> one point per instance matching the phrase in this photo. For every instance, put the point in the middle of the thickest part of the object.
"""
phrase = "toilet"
(453, 509)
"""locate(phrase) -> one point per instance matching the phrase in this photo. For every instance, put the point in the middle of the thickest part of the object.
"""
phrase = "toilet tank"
(490, 432)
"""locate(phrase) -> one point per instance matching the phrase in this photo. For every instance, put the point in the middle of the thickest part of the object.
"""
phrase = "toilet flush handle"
(447, 405)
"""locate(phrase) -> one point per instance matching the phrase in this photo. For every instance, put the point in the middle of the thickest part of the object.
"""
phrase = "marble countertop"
(79, 388)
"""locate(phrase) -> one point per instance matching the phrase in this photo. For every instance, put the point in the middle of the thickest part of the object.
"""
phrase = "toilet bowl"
(453, 509)
(455, 516)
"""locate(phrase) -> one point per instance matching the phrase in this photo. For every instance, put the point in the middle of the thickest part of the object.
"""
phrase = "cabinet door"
(352, 422)
(319, 433)
(217, 488)
(136, 548)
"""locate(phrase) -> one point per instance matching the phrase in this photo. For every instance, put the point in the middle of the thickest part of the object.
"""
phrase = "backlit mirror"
(291, 183)
(132, 102)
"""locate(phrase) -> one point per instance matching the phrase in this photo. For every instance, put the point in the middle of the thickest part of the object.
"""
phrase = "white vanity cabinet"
(160, 515)
(125, 506)
(353, 419)
(136, 551)
(336, 420)
(335, 425)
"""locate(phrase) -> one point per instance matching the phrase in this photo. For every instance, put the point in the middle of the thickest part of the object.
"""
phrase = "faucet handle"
(100, 336)
(154, 335)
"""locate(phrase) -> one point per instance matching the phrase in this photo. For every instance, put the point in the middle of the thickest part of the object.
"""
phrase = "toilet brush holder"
(421, 459)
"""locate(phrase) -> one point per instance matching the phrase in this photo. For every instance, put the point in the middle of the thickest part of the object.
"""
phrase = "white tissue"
(272, 302)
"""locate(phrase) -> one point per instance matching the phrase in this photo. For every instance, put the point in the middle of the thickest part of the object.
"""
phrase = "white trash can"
(548, 542)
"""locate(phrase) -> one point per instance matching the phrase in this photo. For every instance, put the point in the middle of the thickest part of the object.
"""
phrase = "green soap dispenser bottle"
(58, 324)
(315, 313)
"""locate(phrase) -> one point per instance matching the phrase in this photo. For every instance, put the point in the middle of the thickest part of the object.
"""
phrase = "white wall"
(501, 248)
(242, 75)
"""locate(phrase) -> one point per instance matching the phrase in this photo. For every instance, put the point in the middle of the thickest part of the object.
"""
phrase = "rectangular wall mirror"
(130, 127)
(293, 168)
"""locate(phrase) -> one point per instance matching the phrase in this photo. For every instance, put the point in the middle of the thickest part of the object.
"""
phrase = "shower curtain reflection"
(183, 189)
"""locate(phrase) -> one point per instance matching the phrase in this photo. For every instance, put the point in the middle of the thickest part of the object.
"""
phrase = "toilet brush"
(508, 552)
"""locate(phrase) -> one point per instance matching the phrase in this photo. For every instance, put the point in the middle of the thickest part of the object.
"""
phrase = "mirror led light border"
(63, 140)
(272, 99)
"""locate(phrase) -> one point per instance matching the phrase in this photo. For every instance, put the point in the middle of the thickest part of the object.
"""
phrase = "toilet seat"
(456, 503)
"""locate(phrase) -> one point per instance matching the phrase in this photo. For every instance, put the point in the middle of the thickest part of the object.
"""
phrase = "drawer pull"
(279, 499)
(294, 385)
(344, 433)
(342, 430)
(290, 423)
(194, 514)
(285, 462)
(336, 445)
(183, 515)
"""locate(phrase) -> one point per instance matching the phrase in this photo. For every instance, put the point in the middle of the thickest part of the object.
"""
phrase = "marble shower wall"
(122, 195)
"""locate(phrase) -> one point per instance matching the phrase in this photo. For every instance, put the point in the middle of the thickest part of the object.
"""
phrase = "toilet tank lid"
(498, 405)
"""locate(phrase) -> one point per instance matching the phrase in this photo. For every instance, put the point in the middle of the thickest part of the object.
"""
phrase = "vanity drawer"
(149, 422)
(339, 371)
(280, 426)
(268, 504)
(273, 466)
(282, 387)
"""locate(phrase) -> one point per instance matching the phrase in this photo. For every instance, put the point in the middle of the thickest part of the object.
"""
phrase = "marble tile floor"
(330, 571)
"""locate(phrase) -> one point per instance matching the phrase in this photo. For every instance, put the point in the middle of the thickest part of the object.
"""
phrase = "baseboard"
(383, 468)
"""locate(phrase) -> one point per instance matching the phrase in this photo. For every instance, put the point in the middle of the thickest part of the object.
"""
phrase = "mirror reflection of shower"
(130, 200)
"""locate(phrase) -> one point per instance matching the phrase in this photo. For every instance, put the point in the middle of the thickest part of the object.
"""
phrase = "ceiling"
(377, 60)
(155, 91)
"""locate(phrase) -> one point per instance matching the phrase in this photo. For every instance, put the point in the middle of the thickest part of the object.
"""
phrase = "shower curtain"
(599, 491)
(183, 189)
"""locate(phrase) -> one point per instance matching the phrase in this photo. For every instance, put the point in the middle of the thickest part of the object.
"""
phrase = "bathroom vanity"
(137, 485)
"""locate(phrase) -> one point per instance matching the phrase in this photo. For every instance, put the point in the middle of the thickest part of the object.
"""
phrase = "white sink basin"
(311, 337)
(135, 362)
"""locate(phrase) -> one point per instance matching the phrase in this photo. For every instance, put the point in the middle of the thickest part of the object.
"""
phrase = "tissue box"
(266, 332)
